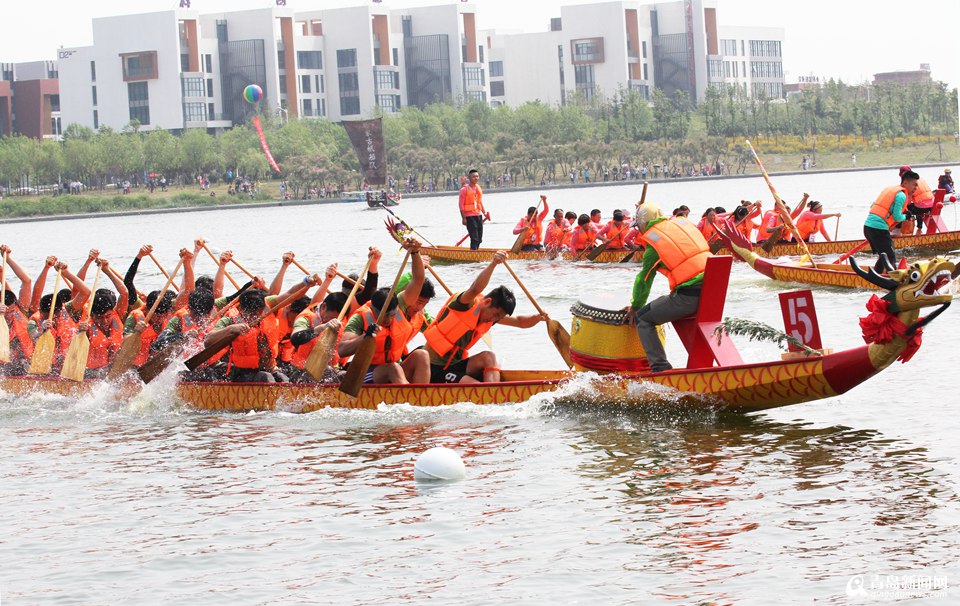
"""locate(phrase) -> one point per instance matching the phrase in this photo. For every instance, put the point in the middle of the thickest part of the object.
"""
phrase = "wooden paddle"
(46, 346)
(836, 230)
(75, 361)
(322, 351)
(164, 272)
(357, 369)
(225, 340)
(781, 207)
(241, 268)
(159, 361)
(4, 329)
(557, 333)
(130, 348)
(217, 263)
(522, 237)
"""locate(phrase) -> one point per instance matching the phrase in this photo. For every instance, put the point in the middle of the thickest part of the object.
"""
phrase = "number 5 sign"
(800, 318)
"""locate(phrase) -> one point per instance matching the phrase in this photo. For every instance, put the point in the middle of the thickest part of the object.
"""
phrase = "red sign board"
(800, 318)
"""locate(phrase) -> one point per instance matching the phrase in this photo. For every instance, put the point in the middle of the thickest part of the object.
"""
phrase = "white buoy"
(439, 464)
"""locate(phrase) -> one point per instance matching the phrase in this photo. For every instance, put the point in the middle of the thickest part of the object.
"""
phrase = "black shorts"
(450, 374)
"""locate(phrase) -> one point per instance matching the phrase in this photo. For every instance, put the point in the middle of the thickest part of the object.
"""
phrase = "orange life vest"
(682, 248)
(616, 235)
(883, 205)
(806, 227)
(19, 334)
(472, 200)
(245, 351)
(195, 334)
(65, 328)
(768, 222)
(301, 353)
(746, 227)
(556, 234)
(451, 327)
(104, 344)
(586, 235)
(148, 337)
(708, 230)
(284, 326)
(535, 231)
(923, 196)
(390, 340)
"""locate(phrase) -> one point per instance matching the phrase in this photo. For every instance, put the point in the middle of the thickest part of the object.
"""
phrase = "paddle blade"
(774, 237)
(561, 340)
(127, 353)
(357, 370)
(222, 342)
(597, 251)
(518, 244)
(42, 361)
(158, 363)
(319, 357)
(4, 342)
(628, 257)
(715, 246)
(75, 362)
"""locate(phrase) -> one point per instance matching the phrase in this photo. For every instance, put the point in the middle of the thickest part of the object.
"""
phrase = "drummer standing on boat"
(885, 213)
(472, 211)
(679, 251)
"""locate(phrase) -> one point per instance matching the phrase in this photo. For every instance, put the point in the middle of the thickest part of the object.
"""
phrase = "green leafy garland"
(758, 331)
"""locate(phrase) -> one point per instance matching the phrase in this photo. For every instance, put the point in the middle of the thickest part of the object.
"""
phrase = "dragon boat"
(715, 377)
(806, 271)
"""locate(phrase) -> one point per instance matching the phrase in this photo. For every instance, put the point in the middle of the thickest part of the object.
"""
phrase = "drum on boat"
(599, 339)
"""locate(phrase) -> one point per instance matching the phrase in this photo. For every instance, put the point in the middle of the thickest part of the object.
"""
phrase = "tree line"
(533, 143)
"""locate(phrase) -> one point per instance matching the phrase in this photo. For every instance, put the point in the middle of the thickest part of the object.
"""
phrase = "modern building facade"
(179, 69)
(30, 100)
(601, 49)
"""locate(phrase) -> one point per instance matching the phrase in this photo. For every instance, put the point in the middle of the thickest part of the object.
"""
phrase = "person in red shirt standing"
(471, 208)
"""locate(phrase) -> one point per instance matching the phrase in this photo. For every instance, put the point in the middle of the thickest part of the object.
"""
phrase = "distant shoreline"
(437, 194)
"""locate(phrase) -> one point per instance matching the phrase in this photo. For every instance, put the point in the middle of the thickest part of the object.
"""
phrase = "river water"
(846, 500)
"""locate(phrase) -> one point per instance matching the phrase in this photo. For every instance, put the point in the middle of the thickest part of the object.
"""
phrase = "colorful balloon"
(252, 93)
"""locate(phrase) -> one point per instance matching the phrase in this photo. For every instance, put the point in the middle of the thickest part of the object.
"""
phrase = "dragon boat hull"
(840, 276)
(936, 242)
(742, 388)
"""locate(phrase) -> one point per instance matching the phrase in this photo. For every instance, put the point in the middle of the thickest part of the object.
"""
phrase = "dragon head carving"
(917, 286)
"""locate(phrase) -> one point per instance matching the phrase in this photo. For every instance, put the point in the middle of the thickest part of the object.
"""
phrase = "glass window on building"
(138, 97)
(211, 115)
(184, 62)
(396, 57)
(347, 57)
(349, 82)
(349, 106)
(728, 48)
(307, 107)
(93, 71)
(305, 84)
(321, 88)
(195, 112)
(587, 50)
(387, 79)
(473, 76)
(475, 95)
(389, 103)
(309, 60)
(480, 53)
(93, 89)
(496, 69)
(643, 45)
(282, 80)
(584, 79)
(281, 59)
(194, 87)
(208, 63)
(496, 88)
(140, 66)
(209, 86)
(96, 119)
